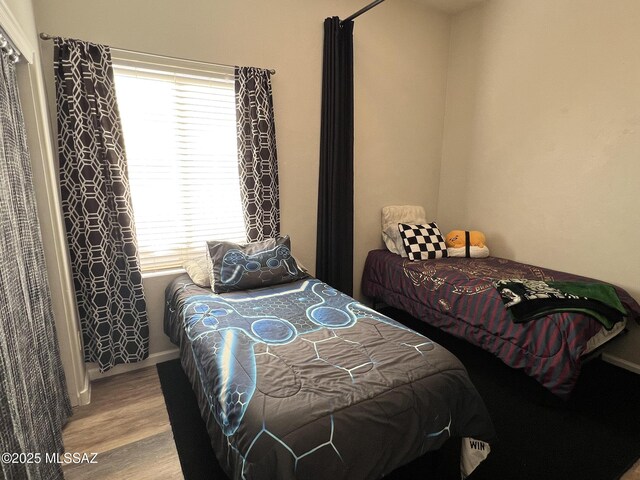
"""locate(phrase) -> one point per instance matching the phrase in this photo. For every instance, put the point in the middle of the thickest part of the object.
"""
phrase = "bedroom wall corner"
(542, 134)
(400, 68)
(464, 64)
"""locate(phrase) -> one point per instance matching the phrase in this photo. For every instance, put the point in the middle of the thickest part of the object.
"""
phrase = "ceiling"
(450, 6)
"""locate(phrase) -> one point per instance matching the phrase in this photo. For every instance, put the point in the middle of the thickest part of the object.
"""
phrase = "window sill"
(163, 273)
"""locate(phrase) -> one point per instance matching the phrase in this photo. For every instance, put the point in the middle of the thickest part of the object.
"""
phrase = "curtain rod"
(46, 36)
(362, 10)
(9, 47)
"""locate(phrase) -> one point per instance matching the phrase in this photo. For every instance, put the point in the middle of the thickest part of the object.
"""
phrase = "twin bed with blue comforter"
(298, 380)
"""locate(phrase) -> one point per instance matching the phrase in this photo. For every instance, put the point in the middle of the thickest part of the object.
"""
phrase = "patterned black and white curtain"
(97, 206)
(257, 156)
(34, 404)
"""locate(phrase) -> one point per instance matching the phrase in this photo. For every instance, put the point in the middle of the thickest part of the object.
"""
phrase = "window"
(179, 128)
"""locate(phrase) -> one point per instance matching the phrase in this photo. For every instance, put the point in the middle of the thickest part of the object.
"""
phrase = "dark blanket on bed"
(458, 295)
(301, 381)
(531, 299)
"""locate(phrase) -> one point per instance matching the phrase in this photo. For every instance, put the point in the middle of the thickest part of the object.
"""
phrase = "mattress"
(301, 381)
(457, 295)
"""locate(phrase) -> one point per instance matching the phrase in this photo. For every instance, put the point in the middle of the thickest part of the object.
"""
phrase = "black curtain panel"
(34, 404)
(334, 249)
(257, 155)
(97, 208)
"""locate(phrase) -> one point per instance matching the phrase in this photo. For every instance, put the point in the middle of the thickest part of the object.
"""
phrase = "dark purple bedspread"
(458, 296)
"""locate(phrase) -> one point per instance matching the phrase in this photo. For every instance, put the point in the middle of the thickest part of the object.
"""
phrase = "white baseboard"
(621, 362)
(154, 358)
(84, 395)
(623, 351)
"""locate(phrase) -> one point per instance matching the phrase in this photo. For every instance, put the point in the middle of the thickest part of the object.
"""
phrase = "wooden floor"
(127, 425)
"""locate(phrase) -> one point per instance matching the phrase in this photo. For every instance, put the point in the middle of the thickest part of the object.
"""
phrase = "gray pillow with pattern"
(235, 266)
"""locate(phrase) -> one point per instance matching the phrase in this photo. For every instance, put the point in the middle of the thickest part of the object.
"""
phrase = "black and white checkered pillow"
(422, 242)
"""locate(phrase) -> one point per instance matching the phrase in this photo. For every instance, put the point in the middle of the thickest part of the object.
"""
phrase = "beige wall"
(542, 134)
(400, 69)
(538, 141)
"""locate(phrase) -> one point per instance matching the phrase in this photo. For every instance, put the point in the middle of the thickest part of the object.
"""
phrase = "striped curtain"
(96, 203)
(257, 155)
(34, 404)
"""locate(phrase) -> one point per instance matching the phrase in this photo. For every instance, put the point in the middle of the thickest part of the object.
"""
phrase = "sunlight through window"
(180, 136)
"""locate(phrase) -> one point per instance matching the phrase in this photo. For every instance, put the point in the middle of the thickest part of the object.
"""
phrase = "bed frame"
(457, 295)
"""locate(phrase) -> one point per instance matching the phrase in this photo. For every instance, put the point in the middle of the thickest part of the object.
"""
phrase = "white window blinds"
(179, 128)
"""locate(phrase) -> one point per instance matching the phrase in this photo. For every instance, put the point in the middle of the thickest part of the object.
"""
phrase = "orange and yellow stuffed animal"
(456, 239)
(457, 245)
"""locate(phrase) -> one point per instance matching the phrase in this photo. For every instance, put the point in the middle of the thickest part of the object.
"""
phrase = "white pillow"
(474, 252)
(198, 270)
(393, 215)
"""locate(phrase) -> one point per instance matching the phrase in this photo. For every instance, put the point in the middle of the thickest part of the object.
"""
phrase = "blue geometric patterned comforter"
(302, 381)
